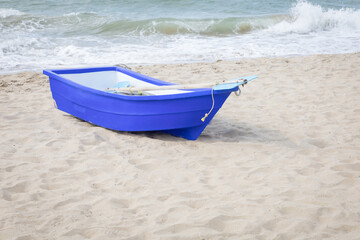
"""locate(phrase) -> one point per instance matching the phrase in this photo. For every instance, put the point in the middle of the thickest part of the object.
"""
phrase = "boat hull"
(179, 115)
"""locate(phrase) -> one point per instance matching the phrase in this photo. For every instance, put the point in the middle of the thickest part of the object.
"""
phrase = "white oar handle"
(164, 87)
(239, 81)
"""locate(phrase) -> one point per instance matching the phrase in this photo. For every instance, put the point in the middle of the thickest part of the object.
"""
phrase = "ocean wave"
(93, 23)
(304, 17)
(36, 40)
(75, 21)
(171, 26)
(307, 18)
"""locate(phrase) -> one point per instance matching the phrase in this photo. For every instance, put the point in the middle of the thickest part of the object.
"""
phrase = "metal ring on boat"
(238, 92)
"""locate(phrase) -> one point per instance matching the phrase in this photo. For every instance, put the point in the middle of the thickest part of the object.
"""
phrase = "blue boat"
(90, 94)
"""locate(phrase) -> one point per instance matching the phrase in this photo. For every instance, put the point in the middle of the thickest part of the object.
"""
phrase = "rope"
(237, 93)
(123, 66)
(213, 103)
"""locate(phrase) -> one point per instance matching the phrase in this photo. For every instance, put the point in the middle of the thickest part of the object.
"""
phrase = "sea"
(39, 34)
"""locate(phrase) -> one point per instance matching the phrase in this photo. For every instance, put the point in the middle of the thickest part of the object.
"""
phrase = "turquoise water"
(38, 34)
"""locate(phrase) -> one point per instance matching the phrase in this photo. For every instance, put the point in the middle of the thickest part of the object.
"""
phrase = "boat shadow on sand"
(227, 130)
(219, 130)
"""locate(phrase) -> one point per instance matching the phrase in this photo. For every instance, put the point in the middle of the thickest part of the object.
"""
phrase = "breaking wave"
(307, 18)
(92, 23)
(208, 27)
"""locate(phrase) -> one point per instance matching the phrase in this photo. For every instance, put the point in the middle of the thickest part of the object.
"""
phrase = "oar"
(217, 86)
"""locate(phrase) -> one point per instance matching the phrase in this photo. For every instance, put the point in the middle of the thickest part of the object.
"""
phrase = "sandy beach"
(279, 162)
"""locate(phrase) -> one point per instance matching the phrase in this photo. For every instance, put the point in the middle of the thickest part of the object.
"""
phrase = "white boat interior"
(110, 79)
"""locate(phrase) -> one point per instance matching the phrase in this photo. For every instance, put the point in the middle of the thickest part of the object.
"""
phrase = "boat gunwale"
(197, 93)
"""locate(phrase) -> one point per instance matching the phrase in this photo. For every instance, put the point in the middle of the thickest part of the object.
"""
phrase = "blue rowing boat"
(124, 100)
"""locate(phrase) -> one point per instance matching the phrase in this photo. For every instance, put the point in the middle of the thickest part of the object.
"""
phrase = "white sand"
(282, 161)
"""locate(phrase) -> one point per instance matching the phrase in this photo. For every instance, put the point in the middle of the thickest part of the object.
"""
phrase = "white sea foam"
(7, 12)
(307, 18)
